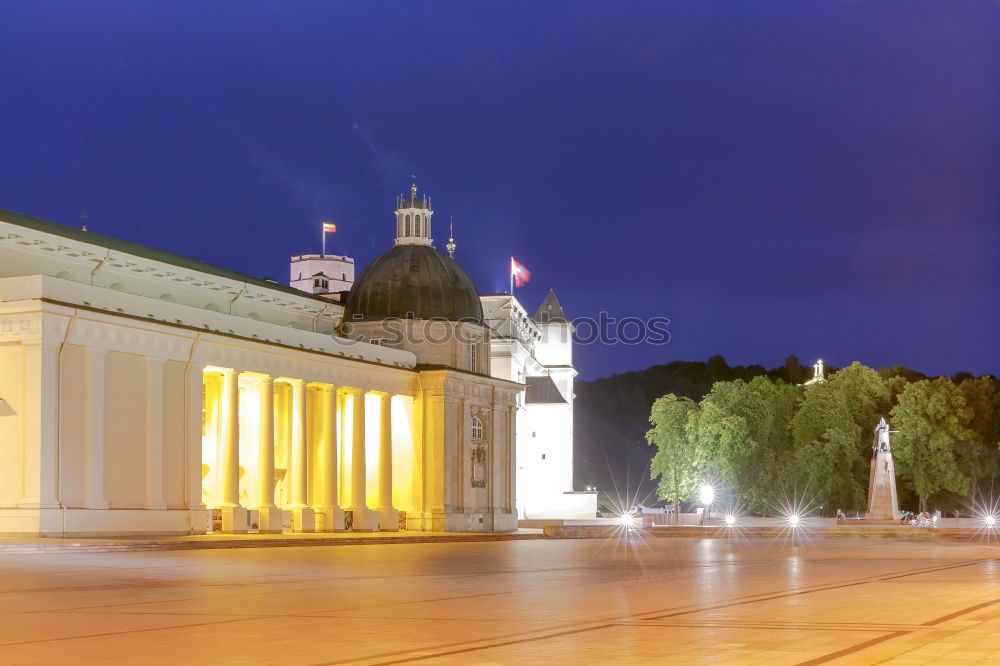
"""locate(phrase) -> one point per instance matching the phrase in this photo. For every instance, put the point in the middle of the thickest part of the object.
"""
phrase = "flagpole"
(323, 231)
(512, 276)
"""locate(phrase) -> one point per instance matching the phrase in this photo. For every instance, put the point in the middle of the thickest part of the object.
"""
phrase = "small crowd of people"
(924, 518)
(920, 518)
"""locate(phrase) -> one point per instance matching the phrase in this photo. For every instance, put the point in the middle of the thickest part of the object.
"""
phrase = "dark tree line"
(767, 435)
(611, 417)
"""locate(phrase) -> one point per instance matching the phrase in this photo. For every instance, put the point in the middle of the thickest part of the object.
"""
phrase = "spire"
(451, 238)
(550, 311)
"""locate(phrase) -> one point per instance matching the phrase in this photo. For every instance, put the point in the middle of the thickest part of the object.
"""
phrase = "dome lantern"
(413, 219)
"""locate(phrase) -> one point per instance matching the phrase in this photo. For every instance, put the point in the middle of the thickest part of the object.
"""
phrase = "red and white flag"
(518, 273)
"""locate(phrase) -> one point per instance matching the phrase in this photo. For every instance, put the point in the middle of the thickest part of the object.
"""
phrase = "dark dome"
(413, 281)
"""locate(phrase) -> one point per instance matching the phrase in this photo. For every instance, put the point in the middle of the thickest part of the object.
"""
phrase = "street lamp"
(707, 495)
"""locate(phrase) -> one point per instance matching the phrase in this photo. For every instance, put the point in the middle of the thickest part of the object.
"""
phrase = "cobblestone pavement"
(559, 601)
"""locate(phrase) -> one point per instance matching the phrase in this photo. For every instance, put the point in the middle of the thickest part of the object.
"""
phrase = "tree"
(794, 372)
(932, 416)
(978, 457)
(678, 460)
(744, 430)
(832, 433)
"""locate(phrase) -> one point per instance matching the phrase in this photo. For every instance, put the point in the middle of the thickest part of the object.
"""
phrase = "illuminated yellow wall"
(404, 454)
(249, 442)
(210, 438)
(314, 438)
(11, 434)
(347, 426)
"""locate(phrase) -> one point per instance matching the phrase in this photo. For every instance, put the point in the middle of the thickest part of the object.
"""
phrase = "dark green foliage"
(767, 436)
(833, 434)
(932, 416)
(744, 430)
(679, 461)
(612, 416)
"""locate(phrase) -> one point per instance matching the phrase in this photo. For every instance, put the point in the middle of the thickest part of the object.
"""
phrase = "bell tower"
(413, 219)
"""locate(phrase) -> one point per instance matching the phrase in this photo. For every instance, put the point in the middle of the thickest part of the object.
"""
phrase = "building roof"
(550, 311)
(413, 282)
(542, 391)
(143, 251)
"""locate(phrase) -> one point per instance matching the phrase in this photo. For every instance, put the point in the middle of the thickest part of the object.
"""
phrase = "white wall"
(339, 269)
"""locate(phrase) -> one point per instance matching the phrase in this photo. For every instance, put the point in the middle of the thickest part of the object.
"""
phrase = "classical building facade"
(537, 351)
(147, 393)
(415, 298)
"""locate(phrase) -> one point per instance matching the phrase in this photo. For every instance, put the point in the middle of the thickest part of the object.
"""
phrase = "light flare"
(628, 520)
(707, 494)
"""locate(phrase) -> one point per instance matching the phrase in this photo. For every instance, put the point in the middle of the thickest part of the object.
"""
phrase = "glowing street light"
(628, 521)
(794, 520)
(990, 520)
(707, 494)
(730, 520)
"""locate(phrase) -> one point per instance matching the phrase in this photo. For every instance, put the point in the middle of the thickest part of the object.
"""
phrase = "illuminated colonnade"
(274, 444)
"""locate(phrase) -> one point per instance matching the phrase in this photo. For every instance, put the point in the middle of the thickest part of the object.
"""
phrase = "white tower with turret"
(413, 219)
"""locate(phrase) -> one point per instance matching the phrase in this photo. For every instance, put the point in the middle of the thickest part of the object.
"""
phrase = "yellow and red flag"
(329, 227)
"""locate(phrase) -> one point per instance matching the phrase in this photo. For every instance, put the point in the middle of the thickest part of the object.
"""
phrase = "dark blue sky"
(813, 178)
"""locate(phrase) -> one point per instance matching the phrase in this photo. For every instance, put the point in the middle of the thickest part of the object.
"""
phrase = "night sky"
(813, 178)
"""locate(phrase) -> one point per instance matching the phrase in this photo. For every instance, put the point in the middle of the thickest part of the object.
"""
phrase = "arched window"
(406, 228)
(416, 225)
(477, 428)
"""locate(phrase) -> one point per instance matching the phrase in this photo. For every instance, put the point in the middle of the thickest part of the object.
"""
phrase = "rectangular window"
(472, 357)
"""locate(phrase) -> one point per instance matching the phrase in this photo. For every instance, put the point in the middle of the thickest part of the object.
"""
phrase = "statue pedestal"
(882, 502)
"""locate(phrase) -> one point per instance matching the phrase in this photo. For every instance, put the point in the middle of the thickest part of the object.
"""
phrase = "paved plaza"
(667, 600)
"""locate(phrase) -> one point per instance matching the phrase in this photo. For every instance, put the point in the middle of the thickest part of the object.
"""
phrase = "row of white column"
(41, 487)
(303, 515)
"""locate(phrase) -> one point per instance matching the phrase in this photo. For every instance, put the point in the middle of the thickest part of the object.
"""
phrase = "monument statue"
(882, 432)
(882, 501)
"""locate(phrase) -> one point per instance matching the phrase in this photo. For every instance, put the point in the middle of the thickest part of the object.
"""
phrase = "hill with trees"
(767, 435)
